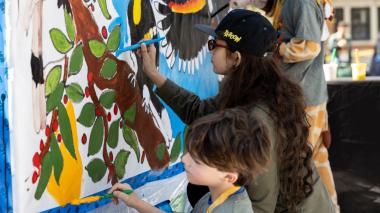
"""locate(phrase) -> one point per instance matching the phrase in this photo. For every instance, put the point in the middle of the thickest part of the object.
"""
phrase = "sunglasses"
(212, 45)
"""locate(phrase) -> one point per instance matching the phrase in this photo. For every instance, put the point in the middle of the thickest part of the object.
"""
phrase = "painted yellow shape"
(85, 200)
(149, 34)
(136, 12)
(69, 187)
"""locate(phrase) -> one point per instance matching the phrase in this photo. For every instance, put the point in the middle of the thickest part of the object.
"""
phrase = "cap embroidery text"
(232, 36)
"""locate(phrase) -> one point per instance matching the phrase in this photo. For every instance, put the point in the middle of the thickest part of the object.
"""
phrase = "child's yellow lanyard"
(223, 197)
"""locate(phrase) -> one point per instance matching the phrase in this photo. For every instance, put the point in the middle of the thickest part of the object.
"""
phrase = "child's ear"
(237, 58)
(231, 177)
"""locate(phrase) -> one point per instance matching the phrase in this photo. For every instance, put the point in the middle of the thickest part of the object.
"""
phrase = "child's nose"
(184, 158)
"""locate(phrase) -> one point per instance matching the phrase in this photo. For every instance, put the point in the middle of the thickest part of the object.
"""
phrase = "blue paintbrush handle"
(138, 45)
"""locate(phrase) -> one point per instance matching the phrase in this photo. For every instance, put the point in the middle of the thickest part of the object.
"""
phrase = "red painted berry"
(104, 32)
(47, 131)
(65, 99)
(84, 138)
(59, 137)
(98, 111)
(115, 109)
(36, 160)
(121, 124)
(89, 76)
(87, 91)
(109, 116)
(42, 146)
(34, 177)
(111, 156)
(55, 125)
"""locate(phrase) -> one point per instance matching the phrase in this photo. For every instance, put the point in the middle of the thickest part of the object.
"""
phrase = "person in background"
(242, 51)
(300, 24)
(340, 45)
(374, 69)
(226, 150)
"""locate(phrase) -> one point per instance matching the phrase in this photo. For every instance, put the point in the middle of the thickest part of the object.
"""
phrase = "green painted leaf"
(60, 41)
(130, 114)
(96, 169)
(75, 92)
(96, 137)
(52, 79)
(176, 149)
(76, 60)
(46, 169)
(113, 134)
(55, 98)
(109, 69)
(160, 151)
(56, 158)
(107, 98)
(64, 126)
(97, 48)
(120, 162)
(114, 39)
(104, 9)
(87, 115)
(70, 29)
(131, 139)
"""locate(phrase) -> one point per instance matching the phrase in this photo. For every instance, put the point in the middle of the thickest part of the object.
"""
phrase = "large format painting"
(83, 115)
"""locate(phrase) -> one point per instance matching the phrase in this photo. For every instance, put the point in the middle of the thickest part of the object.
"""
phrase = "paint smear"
(69, 187)
(190, 6)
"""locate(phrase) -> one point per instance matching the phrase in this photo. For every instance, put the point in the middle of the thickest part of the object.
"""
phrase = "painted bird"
(175, 21)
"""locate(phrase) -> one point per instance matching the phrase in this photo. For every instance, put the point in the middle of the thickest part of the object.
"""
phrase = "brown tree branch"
(126, 94)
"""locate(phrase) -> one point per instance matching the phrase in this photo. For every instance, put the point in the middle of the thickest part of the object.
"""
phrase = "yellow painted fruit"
(69, 187)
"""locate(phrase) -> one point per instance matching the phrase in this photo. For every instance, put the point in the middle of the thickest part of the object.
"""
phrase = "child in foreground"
(225, 151)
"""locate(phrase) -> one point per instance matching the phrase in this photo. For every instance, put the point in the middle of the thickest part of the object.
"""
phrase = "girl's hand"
(149, 64)
(149, 59)
(130, 200)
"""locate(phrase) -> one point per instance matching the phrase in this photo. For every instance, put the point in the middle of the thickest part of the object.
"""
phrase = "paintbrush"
(138, 45)
(91, 199)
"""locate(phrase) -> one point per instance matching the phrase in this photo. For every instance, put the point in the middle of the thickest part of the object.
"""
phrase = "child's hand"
(130, 200)
(149, 59)
(149, 64)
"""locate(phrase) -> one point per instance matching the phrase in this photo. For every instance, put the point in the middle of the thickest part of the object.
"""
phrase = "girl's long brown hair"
(260, 80)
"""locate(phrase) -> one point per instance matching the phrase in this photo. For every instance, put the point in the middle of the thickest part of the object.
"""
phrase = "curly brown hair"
(233, 131)
(260, 80)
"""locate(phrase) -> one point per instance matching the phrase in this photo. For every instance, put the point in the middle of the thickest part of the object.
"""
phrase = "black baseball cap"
(244, 31)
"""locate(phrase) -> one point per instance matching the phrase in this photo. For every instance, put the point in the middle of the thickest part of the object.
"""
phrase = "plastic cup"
(330, 71)
(358, 71)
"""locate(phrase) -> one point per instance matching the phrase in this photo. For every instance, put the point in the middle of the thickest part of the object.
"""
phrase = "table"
(354, 110)
(354, 119)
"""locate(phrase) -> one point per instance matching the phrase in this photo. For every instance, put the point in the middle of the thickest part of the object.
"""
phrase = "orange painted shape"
(85, 200)
(191, 6)
(70, 182)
